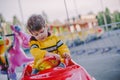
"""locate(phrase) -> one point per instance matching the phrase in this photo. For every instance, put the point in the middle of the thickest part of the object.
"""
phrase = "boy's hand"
(41, 64)
(67, 56)
(53, 55)
(38, 63)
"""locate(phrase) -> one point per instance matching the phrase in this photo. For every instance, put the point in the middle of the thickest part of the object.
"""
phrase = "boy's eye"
(42, 31)
(39, 33)
(36, 34)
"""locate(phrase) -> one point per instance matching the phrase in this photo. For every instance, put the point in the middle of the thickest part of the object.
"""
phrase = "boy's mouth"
(42, 38)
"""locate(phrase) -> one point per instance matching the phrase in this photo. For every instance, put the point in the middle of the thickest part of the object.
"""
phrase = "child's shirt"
(51, 44)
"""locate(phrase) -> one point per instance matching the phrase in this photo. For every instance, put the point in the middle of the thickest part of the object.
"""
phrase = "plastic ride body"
(72, 71)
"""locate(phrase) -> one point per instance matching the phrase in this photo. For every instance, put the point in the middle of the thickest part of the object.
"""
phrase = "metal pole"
(21, 13)
(74, 1)
(119, 5)
(66, 10)
(104, 17)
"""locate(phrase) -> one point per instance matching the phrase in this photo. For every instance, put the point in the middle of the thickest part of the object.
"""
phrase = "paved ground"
(100, 58)
(101, 66)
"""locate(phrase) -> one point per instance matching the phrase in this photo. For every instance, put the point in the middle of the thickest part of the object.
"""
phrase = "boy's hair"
(35, 23)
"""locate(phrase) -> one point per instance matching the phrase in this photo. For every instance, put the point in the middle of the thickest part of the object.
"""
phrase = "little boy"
(43, 43)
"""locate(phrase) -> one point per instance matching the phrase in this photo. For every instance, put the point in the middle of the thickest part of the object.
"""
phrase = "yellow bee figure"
(2, 49)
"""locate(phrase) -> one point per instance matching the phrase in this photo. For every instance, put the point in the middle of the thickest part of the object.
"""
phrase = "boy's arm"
(36, 52)
(63, 48)
(64, 51)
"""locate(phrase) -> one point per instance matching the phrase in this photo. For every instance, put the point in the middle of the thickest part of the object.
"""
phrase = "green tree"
(8, 24)
(45, 16)
(100, 18)
(16, 21)
(108, 16)
(2, 18)
(116, 16)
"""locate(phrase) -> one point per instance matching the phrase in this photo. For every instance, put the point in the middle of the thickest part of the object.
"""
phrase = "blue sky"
(55, 9)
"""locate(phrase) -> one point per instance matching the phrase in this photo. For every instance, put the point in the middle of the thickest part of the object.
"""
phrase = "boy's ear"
(46, 26)
(31, 32)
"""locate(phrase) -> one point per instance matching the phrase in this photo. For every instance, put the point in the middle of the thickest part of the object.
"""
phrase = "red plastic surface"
(71, 72)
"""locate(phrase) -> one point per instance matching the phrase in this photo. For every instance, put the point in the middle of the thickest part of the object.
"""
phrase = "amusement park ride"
(14, 57)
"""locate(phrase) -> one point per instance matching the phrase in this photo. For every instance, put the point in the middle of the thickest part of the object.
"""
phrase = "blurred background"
(91, 29)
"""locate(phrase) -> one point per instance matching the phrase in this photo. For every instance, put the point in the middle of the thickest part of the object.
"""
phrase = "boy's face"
(41, 34)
